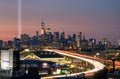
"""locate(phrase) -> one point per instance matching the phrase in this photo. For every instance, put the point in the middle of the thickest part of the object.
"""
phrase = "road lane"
(97, 65)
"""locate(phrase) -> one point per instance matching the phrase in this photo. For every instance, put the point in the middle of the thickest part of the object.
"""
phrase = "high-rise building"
(16, 60)
(34, 41)
(69, 38)
(6, 59)
(1, 44)
(106, 42)
(24, 37)
(37, 34)
(79, 39)
(80, 36)
(10, 44)
(47, 30)
(25, 40)
(74, 41)
(5, 44)
(74, 37)
(92, 42)
(16, 43)
(10, 64)
(10, 59)
(42, 29)
(56, 36)
(62, 36)
(50, 37)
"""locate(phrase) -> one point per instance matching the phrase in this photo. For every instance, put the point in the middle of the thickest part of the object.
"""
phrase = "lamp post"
(113, 63)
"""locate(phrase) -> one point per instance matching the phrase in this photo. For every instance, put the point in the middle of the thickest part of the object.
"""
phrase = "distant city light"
(26, 50)
(58, 71)
(45, 65)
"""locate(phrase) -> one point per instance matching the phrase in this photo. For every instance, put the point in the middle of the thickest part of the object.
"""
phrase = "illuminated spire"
(42, 30)
(42, 23)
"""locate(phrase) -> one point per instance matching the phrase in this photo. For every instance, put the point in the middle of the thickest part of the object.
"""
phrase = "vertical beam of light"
(19, 18)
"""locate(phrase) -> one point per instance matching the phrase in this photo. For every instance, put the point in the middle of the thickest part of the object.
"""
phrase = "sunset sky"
(95, 18)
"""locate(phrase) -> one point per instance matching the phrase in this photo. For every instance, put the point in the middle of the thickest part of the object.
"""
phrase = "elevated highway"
(94, 61)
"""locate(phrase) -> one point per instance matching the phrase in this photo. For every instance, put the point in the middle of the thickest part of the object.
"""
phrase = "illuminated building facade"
(42, 29)
(10, 59)
(79, 39)
(6, 59)
(10, 64)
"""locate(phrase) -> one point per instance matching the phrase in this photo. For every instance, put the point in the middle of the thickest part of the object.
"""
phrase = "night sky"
(95, 18)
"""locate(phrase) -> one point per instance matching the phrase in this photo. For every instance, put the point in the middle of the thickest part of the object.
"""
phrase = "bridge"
(94, 61)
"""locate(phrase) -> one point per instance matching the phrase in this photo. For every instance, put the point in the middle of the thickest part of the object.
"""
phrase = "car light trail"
(97, 65)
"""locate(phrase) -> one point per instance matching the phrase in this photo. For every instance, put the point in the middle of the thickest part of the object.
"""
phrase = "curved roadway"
(97, 65)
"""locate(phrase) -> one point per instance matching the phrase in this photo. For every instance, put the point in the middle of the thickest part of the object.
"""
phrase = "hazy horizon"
(94, 18)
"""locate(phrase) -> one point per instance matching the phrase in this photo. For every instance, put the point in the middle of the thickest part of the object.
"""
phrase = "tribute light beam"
(19, 18)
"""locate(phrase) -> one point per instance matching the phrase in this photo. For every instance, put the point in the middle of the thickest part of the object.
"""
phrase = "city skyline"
(97, 19)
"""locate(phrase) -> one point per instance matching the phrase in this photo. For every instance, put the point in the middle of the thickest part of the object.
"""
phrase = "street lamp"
(113, 63)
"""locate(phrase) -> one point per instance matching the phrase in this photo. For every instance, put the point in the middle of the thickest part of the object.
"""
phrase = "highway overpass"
(97, 65)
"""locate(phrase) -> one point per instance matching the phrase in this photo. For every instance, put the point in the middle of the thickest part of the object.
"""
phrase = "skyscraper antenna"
(42, 23)
(19, 18)
(42, 19)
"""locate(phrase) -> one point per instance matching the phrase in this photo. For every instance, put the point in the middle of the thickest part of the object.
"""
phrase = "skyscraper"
(25, 40)
(1, 44)
(16, 42)
(37, 34)
(42, 29)
(56, 36)
(47, 30)
(79, 40)
(62, 36)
